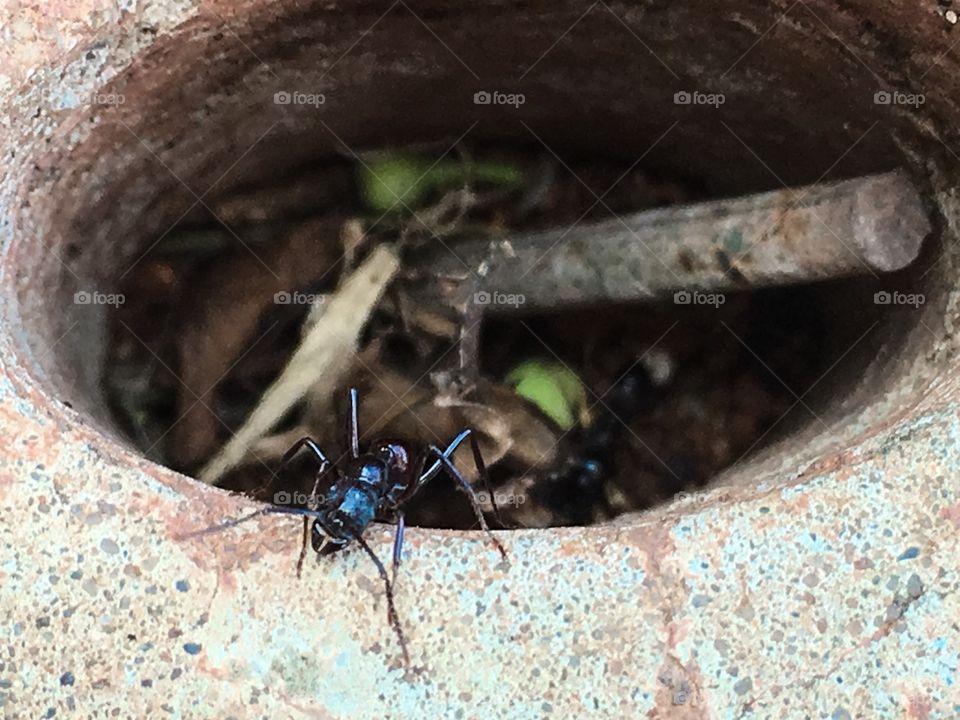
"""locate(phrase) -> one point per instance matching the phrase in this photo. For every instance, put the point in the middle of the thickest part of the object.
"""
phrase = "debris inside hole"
(211, 322)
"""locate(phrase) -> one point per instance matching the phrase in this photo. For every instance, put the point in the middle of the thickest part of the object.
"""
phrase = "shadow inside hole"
(737, 370)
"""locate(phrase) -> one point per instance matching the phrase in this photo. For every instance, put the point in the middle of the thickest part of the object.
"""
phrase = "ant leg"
(477, 459)
(303, 547)
(398, 543)
(311, 501)
(310, 443)
(444, 460)
(312, 504)
(484, 478)
(295, 448)
(392, 616)
(288, 456)
(354, 424)
(437, 466)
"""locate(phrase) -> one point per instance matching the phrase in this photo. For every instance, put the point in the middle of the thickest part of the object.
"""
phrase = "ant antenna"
(269, 510)
(354, 424)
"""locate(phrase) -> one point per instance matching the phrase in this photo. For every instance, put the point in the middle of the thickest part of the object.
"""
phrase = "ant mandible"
(373, 486)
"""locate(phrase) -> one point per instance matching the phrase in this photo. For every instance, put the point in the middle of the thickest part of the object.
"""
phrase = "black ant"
(573, 491)
(372, 486)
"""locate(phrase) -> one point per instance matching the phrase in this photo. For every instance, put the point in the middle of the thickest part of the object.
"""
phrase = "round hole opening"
(148, 174)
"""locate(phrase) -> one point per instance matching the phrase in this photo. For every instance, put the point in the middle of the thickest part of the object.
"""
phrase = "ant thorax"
(358, 507)
(355, 498)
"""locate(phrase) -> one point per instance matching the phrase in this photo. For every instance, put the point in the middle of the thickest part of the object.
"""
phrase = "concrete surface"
(818, 579)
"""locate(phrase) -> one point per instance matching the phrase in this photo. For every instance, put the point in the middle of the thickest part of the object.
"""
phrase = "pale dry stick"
(866, 225)
(331, 338)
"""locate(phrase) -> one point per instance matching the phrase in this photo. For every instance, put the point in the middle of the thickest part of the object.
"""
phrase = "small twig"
(868, 225)
(440, 219)
(324, 352)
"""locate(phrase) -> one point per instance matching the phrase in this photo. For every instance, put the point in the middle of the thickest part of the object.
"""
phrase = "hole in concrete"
(735, 365)
(136, 168)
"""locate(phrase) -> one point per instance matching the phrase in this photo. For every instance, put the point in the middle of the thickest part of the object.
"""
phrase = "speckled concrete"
(818, 580)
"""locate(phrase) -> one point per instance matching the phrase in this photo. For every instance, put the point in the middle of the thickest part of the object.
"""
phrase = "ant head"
(395, 454)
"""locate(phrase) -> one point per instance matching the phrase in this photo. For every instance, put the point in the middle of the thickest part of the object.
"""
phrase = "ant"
(575, 489)
(372, 486)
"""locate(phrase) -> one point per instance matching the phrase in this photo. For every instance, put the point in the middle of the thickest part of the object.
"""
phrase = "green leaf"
(552, 387)
(399, 181)
(393, 181)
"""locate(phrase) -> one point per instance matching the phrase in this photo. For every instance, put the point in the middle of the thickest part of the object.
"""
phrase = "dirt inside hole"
(217, 306)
